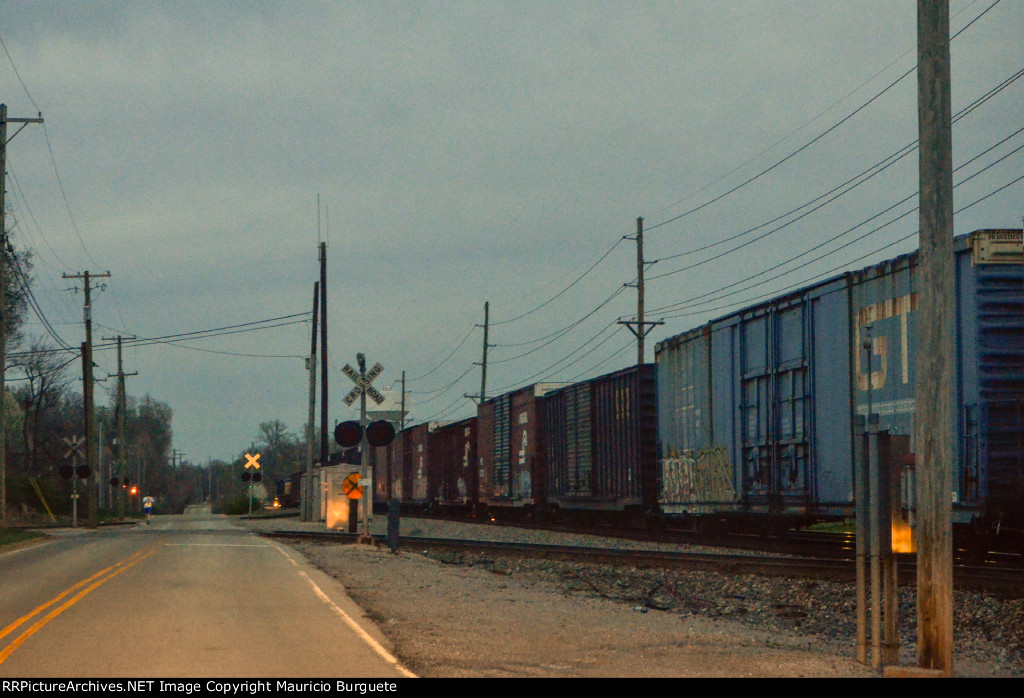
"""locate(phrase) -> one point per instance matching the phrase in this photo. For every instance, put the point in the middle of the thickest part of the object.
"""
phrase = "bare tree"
(44, 388)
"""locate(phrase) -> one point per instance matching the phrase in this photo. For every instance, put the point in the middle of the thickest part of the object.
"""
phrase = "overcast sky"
(462, 152)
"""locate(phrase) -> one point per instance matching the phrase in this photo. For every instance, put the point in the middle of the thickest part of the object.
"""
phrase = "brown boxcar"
(380, 460)
(511, 449)
(420, 483)
(453, 451)
(601, 442)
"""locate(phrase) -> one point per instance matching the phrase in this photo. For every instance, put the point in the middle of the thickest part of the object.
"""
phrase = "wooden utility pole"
(307, 492)
(483, 364)
(324, 456)
(122, 406)
(4, 140)
(401, 419)
(934, 390)
(642, 328)
(87, 365)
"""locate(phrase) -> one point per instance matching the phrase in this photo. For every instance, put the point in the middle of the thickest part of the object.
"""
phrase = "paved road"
(188, 596)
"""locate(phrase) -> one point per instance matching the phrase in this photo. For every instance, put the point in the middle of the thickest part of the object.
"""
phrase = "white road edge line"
(366, 637)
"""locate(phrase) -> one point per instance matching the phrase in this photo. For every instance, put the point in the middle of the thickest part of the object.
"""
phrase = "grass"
(845, 526)
(14, 536)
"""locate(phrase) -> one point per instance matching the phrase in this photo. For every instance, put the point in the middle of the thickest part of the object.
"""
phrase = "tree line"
(45, 410)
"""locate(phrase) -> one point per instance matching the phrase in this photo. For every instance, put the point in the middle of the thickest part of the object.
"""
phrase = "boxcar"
(380, 466)
(412, 463)
(600, 443)
(758, 410)
(510, 447)
(453, 451)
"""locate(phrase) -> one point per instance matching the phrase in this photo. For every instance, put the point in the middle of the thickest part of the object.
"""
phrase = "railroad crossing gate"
(363, 384)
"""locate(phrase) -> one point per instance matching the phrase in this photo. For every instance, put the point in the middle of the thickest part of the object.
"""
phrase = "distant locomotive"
(750, 418)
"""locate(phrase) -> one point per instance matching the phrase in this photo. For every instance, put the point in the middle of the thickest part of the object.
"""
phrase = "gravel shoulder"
(462, 615)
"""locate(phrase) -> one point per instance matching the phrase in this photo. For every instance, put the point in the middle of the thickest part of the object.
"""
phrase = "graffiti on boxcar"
(701, 476)
(870, 315)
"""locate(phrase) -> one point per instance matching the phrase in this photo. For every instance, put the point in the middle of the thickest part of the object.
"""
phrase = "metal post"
(889, 495)
(365, 502)
(935, 348)
(860, 501)
(875, 543)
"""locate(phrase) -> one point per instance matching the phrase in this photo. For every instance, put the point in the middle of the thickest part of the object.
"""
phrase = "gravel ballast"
(489, 615)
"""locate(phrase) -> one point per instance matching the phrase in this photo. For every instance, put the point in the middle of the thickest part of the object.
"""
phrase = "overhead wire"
(844, 265)
(814, 140)
(872, 171)
(689, 302)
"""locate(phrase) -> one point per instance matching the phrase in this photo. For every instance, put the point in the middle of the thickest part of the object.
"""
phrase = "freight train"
(752, 419)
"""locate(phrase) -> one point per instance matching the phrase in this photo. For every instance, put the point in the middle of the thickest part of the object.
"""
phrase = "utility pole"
(323, 357)
(401, 419)
(4, 140)
(642, 328)
(122, 406)
(87, 393)
(934, 403)
(307, 492)
(483, 364)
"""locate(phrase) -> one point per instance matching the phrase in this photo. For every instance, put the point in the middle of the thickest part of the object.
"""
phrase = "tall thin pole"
(307, 493)
(323, 356)
(642, 326)
(363, 507)
(87, 392)
(401, 418)
(122, 406)
(640, 291)
(4, 120)
(934, 402)
(483, 362)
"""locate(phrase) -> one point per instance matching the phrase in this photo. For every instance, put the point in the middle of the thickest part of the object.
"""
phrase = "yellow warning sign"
(351, 486)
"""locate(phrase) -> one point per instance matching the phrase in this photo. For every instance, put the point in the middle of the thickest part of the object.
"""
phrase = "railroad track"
(992, 578)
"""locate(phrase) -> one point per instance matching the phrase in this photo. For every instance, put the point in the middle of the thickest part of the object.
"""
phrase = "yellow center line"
(117, 568)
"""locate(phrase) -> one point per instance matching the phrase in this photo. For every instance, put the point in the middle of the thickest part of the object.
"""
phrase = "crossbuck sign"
(363, 384)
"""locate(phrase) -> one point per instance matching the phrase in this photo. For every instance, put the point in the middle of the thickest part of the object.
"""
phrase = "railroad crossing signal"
(363, 384)
(251, 462)
(74, 444)
(74, 453)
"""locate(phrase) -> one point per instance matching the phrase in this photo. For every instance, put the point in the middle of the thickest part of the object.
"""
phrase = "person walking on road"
(147, 507)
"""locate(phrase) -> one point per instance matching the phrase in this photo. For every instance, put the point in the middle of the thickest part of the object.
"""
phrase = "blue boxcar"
(758, 410)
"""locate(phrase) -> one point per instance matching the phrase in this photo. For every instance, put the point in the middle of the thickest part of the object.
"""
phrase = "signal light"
(135, 490)
(348, 434)
(380, 433)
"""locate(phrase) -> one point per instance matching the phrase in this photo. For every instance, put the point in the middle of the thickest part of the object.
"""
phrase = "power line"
(833, 270)
(809, 143)
(563, 291)
(878, 167)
